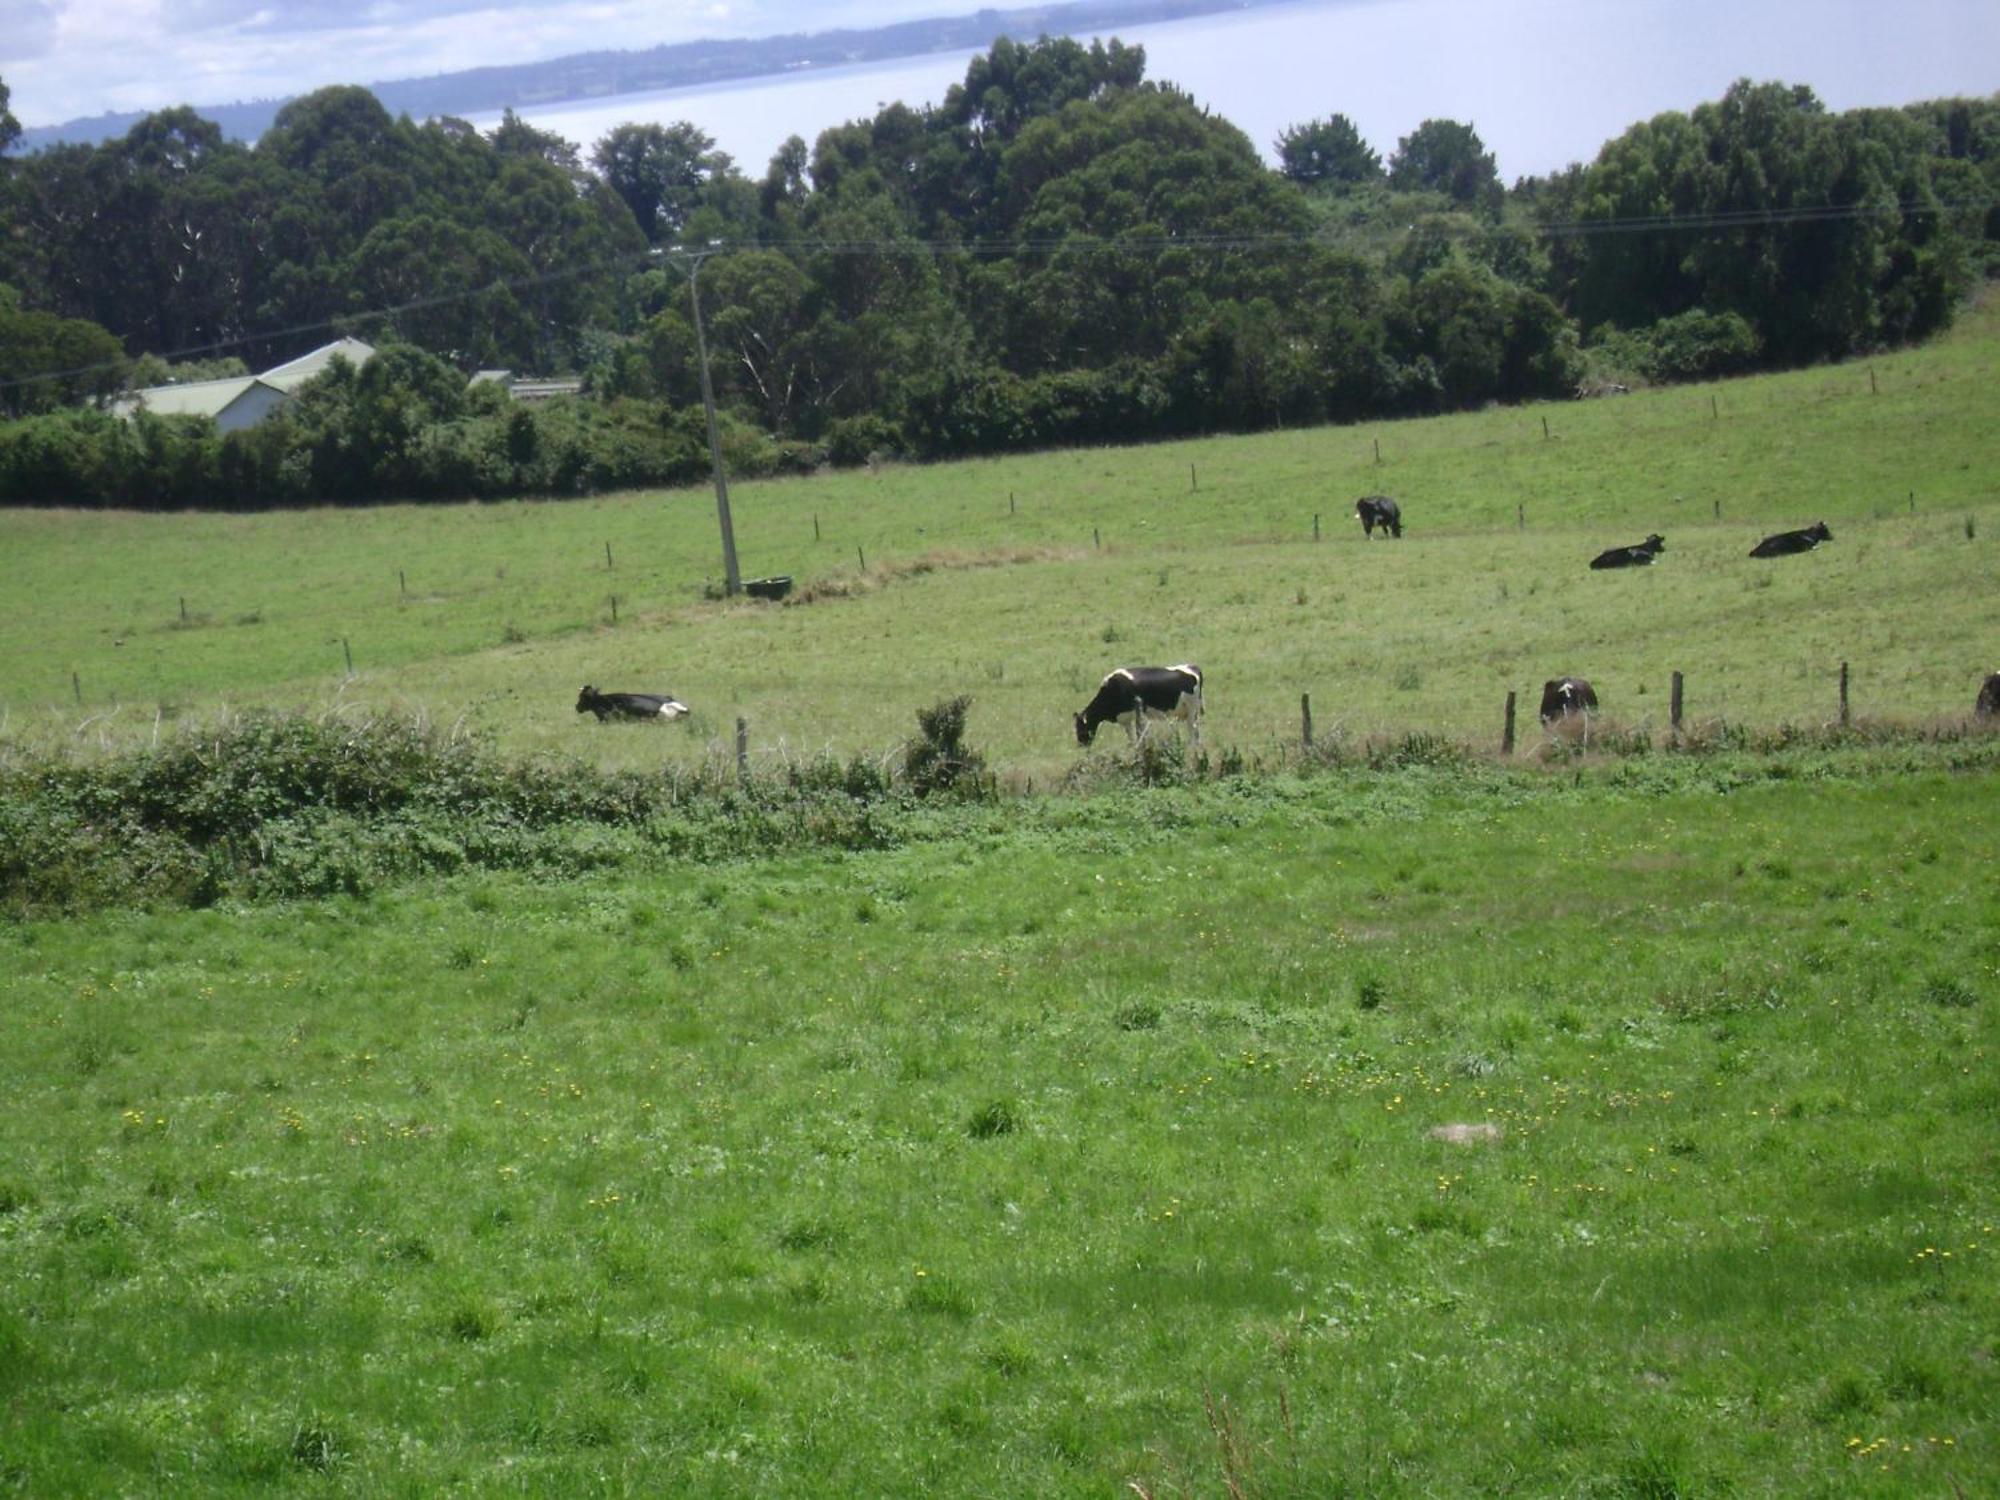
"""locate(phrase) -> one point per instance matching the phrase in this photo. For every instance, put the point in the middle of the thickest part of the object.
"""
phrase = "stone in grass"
(1464, 1134)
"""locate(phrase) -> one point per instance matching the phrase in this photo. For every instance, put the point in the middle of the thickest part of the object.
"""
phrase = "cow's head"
(586, 700)
(1085, 730)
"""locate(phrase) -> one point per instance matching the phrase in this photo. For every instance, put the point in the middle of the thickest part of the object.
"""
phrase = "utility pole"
(732, 577)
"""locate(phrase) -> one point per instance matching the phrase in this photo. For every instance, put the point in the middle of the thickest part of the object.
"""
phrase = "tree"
(333, 132)
(784, 191)
(48, 361)
(515, 137)
(662, 172)
(1443, 156)
(1330, 151)
(757, 330)
(1826, 233)
(10, 128)
(1013, 85)
(447, 289)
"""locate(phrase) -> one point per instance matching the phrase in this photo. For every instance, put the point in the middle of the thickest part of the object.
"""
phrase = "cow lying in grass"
(1785, 543)
(656, 706)
(1639, 555)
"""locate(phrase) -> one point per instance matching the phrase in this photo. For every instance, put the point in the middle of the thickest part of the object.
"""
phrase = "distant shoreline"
(588, 78)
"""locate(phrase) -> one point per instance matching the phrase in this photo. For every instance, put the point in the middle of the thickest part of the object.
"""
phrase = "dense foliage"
(1060, 252)
(284, 805)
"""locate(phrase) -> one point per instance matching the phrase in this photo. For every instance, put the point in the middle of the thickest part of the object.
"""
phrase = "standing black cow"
(1988, 706)
(1129, 694)
(1785, 543)
(1565, 696)
(1639, 555)
(629, 705)
(1379, 510)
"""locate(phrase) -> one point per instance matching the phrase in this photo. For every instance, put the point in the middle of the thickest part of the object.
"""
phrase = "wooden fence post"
(1674, 707)
(614, 609)
(861, 557)
(77, 682)
(1315, 525)
(402, 584)
(1520, 518)
(608, 563)
(1545, 429)
(1096, 540)
(1843, 695)
(815, 525)
(348, 652)
(1306, 721)
(1718, 510)
(742, 750)
(1192, 485)
(184, 606)
(1507, 734)
(1378, 450)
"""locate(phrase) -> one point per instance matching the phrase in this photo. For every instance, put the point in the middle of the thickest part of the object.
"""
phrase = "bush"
(276, 806)
(1696, 345)
(852, 441)
(938, 763)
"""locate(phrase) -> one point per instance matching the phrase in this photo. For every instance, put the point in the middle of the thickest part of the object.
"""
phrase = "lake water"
(1545, 82)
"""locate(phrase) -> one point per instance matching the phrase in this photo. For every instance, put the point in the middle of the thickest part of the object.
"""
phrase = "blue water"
(1545, 82)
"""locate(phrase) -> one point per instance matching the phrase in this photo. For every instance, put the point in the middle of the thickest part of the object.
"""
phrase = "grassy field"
(1089, 1150)
(1410, 1124)
(1022, 580)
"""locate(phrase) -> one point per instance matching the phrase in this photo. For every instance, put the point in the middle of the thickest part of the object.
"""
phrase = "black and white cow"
(1130, 694)
(1566, 696)
(630, 705)
(1785, 543)
(1379, 510)
(1988, 704)
(1640, 555)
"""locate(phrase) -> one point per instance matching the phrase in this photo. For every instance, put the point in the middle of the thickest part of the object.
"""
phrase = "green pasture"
(1086, 1151)
(1021, 580)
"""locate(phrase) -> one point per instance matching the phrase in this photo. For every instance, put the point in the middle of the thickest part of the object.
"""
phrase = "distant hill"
(597, 75)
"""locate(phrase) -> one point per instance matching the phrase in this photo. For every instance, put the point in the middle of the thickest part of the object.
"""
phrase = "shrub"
(938, 763)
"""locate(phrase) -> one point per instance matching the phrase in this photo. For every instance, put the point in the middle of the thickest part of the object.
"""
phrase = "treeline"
(1060, 252)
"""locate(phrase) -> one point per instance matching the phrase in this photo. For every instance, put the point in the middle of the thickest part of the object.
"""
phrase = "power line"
(1329, 238)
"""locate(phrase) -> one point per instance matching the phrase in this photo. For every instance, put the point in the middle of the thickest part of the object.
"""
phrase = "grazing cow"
(1785, 543)
(1129, 694)
(629, 705)
(1640, 555)
(1379, 510)
(1988, 706)
(1565, 696)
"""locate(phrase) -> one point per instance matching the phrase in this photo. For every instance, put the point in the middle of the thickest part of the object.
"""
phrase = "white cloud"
(27, 28)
